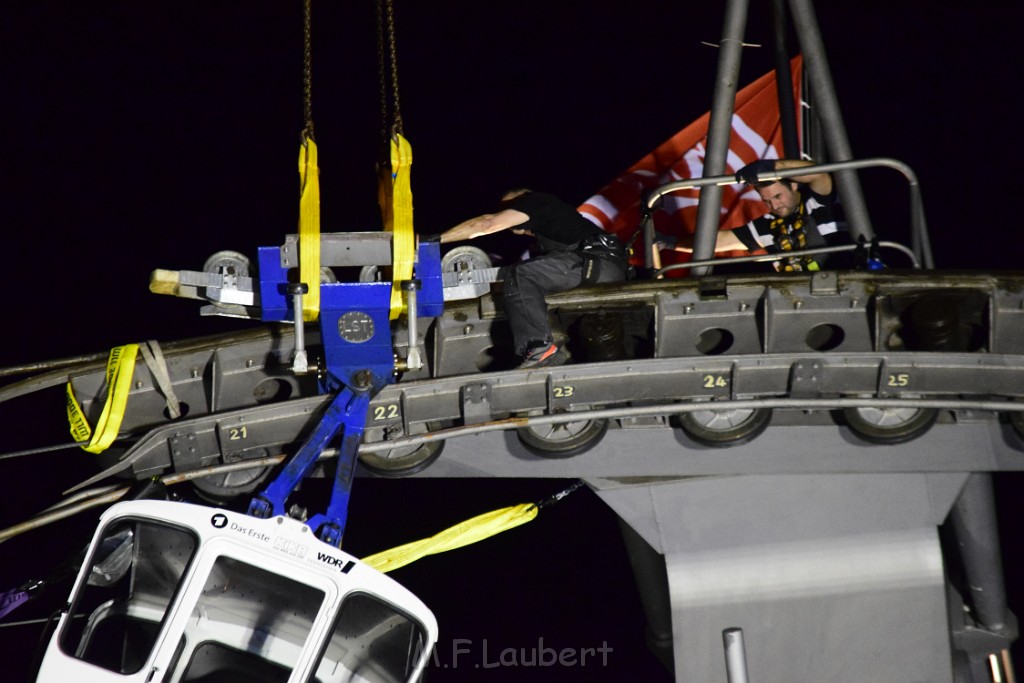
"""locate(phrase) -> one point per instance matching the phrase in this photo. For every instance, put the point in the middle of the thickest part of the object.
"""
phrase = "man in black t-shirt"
(572, 251)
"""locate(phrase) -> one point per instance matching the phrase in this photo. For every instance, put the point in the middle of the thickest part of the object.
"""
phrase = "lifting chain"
(388, 70)
(307, 69)
(551, 500)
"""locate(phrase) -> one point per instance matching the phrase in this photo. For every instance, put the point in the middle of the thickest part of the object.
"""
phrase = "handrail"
(920, 242)
(789, 254)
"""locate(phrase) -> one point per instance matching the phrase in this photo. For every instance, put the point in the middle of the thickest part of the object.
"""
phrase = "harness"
(792, 233)
(603, 251)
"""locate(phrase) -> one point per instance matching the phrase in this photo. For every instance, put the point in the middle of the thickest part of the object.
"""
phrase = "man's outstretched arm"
(487, 224)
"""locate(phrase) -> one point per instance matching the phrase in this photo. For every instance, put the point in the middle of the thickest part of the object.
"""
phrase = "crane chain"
(388, 70)
(307, 69)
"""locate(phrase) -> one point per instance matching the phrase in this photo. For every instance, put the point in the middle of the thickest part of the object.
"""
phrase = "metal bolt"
(362, 379)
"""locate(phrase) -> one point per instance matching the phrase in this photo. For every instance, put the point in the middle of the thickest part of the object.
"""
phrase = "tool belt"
(605, 259)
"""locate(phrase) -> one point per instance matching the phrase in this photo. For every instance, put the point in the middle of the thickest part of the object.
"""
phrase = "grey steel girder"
(805, 347)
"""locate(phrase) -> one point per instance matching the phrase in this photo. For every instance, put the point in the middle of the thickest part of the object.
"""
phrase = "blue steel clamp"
(359, 361)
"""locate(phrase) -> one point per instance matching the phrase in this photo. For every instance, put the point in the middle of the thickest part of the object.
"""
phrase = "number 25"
(900, 380)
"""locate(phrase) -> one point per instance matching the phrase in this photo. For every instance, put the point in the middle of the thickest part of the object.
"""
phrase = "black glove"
(665, 241)
(748, 174)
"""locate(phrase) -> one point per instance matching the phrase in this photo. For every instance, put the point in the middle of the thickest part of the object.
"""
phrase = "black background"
(150, 135)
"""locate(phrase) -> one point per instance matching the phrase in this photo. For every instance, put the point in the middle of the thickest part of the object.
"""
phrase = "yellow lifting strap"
(120, 367)
(465, 533)
(394, 194)
(309, 228)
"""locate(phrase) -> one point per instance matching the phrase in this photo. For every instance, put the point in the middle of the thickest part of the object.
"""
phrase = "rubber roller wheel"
(722, 428)
(404, 461)
(465, 257)
(564, 439)
(889, 425)
(226, 487)
(370, 274)
(228, 263)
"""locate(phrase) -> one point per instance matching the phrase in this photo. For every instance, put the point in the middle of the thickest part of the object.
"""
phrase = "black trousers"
(528, 282)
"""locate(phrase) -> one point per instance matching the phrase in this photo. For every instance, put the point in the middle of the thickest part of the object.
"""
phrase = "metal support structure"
(825, 568)
(651, 256)
(413, 360)
(827, 105)
(784, 84)
(719, 129)
(649, 569)
(735, 655)
(300, 363)
(920, 241)
(974, 522)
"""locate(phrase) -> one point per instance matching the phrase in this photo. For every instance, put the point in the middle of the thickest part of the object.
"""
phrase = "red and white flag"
(756, 134)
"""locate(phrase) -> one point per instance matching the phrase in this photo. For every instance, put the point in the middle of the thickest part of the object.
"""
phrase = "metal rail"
(661, 387)
(666, 409)
(789, 254)
(149, 453)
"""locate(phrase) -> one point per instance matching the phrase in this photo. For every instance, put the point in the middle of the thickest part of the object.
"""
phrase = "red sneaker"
(543, 356)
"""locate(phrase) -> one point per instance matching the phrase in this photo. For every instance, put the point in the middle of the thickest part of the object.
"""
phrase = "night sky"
(150, 135)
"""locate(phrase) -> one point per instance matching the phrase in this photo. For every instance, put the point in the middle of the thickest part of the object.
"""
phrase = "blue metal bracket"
(359, 361)
(346, 412)
(330, 526)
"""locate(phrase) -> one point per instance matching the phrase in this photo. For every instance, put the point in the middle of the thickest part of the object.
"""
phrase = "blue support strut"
(347, 411)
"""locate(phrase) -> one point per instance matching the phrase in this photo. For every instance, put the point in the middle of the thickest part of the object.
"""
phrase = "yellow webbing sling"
(470, 531)
(120, 367)
(394, 193)
(309, 228)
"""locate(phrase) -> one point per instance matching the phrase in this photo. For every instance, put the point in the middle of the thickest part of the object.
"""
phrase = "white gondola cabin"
(175, 593)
